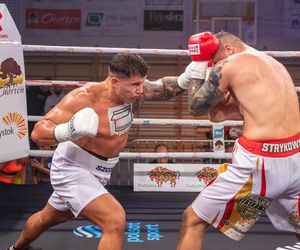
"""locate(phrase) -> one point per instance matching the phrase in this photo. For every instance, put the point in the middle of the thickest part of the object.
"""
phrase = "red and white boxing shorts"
(263, 176)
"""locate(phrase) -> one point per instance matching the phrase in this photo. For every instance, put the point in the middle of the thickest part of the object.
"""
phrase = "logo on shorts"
(69, 205)
(281, 147)
(104, 169)
(251, 206)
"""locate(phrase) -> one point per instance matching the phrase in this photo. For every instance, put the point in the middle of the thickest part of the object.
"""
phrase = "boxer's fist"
(195, 70)
(84, 123)
(202, 46)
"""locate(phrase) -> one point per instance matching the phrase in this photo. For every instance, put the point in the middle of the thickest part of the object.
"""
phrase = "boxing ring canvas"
(153, 221)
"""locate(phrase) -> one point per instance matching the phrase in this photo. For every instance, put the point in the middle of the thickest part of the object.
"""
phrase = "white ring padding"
(144, 121)
(144, 155)
(103, 50)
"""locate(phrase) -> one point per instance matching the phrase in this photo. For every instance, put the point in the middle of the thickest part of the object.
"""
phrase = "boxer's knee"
(191, 219)
(116, 223)
(49, 216)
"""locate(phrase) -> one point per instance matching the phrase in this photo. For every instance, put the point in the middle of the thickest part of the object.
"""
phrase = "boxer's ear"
(229, 49)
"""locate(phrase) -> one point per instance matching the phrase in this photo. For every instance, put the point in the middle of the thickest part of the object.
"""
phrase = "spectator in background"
(41, 167)
(54, 98)
(161, 148)
(36, 97)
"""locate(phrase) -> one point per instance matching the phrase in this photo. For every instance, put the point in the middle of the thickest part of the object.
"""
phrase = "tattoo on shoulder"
(203, 97)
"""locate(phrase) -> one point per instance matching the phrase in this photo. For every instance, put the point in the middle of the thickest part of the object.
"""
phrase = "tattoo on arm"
(203, 96)
(162, 89)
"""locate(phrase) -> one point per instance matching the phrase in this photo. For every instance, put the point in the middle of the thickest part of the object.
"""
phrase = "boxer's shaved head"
(228, 38)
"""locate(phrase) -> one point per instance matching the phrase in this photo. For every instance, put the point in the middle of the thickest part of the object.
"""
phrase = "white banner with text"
(174, 177)
(14, 141)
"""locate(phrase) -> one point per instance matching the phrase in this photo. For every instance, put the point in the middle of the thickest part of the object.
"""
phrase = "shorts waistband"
(71, 151)
(272, 148)
(103, 158)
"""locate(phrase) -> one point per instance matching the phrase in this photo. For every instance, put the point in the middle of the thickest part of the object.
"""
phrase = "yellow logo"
(17, 119)
(10, 73)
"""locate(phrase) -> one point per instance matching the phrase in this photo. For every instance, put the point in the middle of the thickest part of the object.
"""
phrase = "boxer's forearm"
(43, 133)
(204, 95)
(202, 100)
(162, 89)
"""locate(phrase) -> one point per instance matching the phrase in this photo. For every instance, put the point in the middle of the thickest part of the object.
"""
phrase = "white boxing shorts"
(263, 176)
(77, 177)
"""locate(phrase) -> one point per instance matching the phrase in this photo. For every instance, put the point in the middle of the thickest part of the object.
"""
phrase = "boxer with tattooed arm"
(264, 175)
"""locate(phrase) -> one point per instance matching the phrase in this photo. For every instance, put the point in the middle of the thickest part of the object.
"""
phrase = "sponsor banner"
(167, 20)
(173, 177)
(218, 139)
(8, 29)
(64, 19)
(82, 19)
(14, 141)
(292, 18)
(111, 22)
(102, 23)
(164, 2)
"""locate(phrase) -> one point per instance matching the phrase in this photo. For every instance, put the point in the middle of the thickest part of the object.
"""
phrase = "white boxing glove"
(84, 123)
(195, 70)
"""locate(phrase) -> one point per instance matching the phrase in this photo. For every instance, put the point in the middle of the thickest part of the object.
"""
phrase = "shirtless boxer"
(91, 125)
(265, 173)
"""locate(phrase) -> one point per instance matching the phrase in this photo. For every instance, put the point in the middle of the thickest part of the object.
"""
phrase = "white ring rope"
(105, 50)
(69, 83)
(145, 121)
(144, 155)
(102, 50)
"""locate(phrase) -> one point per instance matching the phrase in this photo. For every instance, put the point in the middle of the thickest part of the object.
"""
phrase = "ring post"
(14, 142)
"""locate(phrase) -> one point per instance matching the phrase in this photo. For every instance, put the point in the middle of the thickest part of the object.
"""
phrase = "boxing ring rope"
(106, 50)
(138, 121)
(70, 83)
(143, 121)
(154, 121)
(144, 155)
